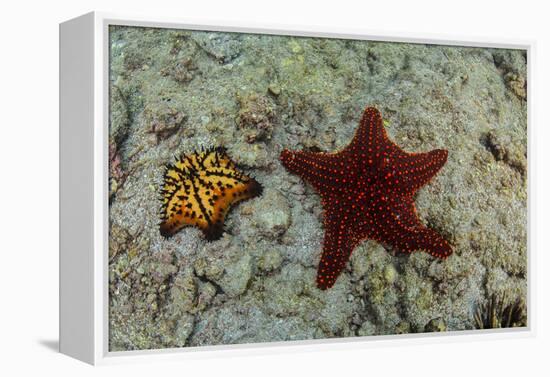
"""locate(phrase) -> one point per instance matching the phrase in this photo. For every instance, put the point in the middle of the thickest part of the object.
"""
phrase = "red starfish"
(367, 192)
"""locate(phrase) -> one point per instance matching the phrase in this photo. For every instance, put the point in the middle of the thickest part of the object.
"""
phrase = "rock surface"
(176, 91)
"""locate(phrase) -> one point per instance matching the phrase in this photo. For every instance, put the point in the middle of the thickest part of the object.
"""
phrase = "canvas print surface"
(274, 188)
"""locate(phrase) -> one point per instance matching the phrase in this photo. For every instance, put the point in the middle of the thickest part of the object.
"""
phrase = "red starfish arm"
(416, 169)
(403, 230)
(413, 169)
(322, 170)
(338, 245)
(371, 139)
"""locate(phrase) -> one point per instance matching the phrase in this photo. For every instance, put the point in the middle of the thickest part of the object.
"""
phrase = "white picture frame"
(84, 116)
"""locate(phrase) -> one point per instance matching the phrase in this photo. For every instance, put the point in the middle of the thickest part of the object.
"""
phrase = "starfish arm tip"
(441, 250)
(441, 155)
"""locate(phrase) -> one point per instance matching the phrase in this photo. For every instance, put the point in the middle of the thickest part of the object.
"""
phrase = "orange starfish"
(199, 189)
(367, 192)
